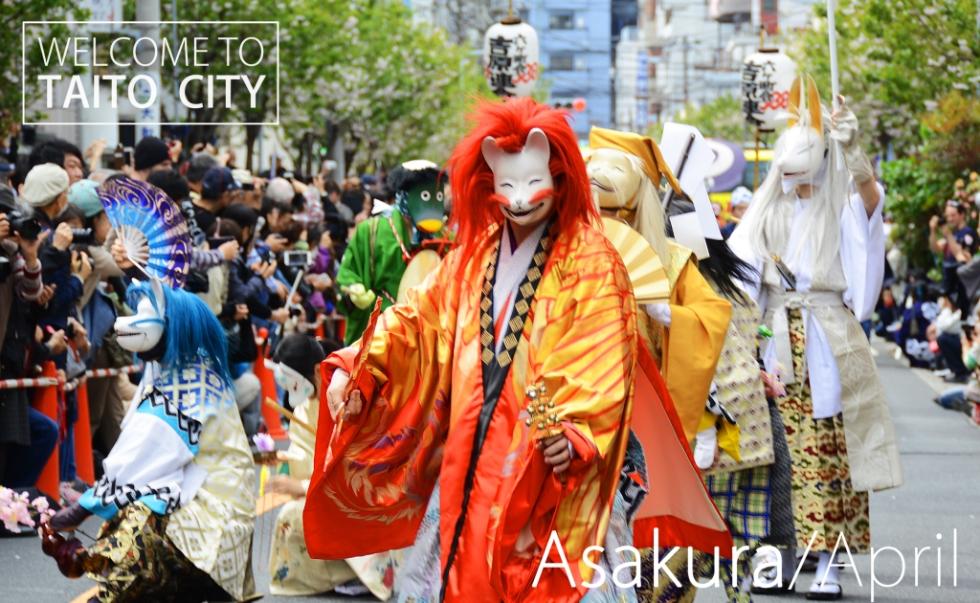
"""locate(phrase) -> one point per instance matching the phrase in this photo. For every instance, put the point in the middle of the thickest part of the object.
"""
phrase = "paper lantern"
(510, 56)
(766, 79)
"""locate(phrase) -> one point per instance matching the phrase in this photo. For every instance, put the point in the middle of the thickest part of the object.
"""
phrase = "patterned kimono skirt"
(144, 565)
(825, 504)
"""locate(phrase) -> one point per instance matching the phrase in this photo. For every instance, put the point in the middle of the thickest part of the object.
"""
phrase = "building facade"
(576, 54)
(696, 49)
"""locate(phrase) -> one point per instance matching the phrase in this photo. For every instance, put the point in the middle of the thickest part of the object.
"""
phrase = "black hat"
(216, 181)
(301, 353)
(149, 152)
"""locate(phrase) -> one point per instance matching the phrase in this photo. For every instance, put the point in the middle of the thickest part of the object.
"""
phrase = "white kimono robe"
(843, 377)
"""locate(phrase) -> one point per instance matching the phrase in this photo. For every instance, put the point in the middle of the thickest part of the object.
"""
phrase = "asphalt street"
(941, 496)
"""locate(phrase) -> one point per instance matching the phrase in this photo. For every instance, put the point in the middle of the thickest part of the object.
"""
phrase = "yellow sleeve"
(698, 326)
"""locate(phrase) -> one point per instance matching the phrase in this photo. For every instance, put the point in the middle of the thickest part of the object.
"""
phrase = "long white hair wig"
(765, 226)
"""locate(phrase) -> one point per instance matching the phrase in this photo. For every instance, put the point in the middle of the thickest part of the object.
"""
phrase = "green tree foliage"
(396, 89)
(910, 70)
(920, 183)
(360, 70)
(12, 15)
(897, 59)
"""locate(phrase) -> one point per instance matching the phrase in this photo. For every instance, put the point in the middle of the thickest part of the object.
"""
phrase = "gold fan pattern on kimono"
(646, 270)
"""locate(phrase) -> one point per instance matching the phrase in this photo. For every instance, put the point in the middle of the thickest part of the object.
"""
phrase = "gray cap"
(199, 165)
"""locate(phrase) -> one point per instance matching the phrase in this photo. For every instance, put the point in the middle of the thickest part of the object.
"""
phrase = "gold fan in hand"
(646, 270)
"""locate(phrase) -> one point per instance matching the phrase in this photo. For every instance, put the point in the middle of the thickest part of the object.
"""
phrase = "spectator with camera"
(958, 243)
(107, 396)
(64, 269)
(27, 437)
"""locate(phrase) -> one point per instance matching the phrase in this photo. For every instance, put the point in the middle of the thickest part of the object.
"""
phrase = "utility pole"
(684, 42)
(148, 118)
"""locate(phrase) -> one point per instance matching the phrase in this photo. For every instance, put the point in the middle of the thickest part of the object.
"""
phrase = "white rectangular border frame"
(23, 74)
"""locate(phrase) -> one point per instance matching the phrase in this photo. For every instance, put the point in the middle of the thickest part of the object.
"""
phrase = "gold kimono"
(688, 351)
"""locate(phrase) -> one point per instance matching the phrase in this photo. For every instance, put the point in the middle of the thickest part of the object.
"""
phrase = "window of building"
(562, 61)
(561, 19)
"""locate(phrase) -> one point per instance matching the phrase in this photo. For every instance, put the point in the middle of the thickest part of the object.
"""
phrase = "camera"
(24, 224)
(296, 259)
(82, 236)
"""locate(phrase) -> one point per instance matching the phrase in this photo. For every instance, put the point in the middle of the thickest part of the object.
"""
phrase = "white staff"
(834, 76)
(832, 39)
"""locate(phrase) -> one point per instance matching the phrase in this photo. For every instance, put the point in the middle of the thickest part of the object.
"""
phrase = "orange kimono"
(425, 368)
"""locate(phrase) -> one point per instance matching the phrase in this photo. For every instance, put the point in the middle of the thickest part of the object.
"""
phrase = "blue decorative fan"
(150, 226)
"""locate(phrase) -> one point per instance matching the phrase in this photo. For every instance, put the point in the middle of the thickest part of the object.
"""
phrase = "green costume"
(379, 252)
(374, 258)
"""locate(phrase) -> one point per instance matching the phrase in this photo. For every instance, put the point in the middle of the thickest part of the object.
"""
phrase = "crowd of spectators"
(266, 250)
(933, 315)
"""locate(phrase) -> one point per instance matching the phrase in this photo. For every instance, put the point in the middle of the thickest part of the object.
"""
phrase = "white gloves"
(705, 445)
(660, 312)
(362, 297)
(844, 129)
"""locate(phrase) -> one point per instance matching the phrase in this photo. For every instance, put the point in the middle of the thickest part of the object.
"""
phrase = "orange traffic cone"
(84, 462)
(46, 401)
(269, 415)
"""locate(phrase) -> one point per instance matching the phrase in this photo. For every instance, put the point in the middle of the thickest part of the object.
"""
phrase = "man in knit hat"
(46, 190)
(150, 154)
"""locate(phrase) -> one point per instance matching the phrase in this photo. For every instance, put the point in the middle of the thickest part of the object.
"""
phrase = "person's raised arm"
(844, 129)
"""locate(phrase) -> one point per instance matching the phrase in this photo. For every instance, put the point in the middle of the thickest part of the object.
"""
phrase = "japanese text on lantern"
(508, 65)
(757, 89)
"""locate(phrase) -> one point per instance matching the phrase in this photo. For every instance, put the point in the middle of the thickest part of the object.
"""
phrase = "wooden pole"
(292, 418)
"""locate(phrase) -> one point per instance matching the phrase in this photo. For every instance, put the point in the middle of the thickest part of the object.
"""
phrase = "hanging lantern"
(510, 56)
(766, 79)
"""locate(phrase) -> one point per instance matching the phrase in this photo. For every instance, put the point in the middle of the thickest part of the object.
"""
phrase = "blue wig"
(192, 331)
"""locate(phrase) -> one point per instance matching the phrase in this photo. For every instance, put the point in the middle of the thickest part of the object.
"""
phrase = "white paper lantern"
(767, 76)
(510, 57)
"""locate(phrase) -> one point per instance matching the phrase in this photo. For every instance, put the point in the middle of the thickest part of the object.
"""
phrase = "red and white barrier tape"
(25, 383)
(98, 373)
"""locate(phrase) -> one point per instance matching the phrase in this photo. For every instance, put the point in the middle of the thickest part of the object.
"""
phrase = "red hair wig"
(509, 123)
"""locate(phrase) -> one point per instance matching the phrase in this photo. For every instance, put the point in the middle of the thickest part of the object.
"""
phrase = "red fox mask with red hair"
(520, 161)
